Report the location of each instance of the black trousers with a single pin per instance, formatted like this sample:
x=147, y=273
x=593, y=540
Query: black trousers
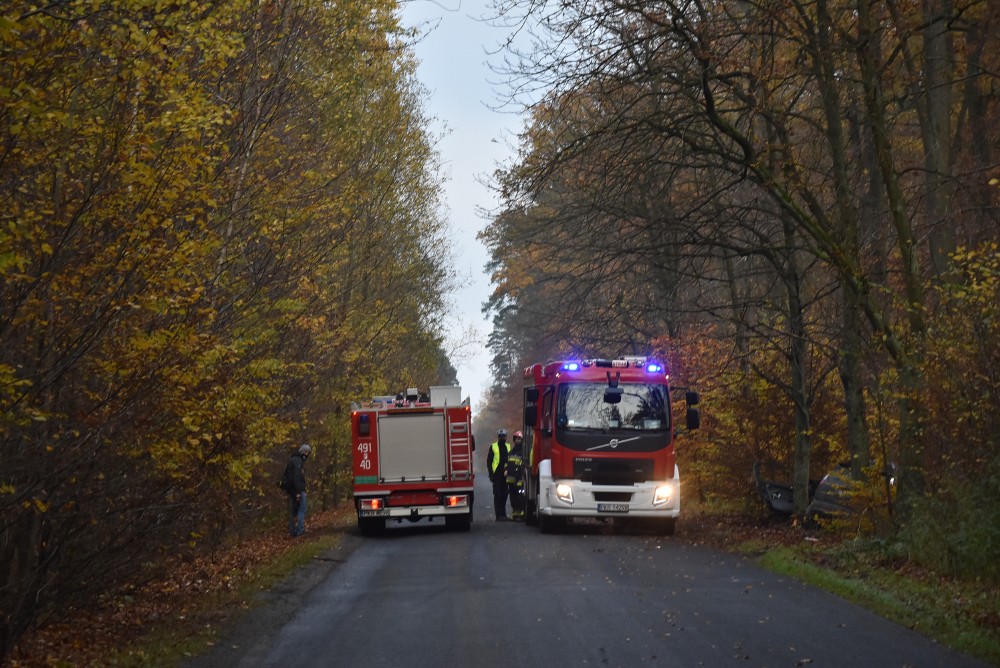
x=516, y=493
x=500, y=495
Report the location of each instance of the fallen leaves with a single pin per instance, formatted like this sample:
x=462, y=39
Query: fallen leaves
x=89, y=637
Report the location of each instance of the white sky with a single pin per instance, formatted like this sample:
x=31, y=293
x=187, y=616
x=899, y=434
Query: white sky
x=454, y=68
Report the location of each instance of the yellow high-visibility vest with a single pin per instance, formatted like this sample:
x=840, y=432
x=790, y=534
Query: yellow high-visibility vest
x=495, y=451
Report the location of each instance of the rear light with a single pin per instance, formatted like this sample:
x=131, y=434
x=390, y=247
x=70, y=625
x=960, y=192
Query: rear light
x=372, y=504
x=460, y=501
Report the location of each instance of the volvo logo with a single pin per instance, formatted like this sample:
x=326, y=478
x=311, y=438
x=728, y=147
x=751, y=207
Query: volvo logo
x=613, y=443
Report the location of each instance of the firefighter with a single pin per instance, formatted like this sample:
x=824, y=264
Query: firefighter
x=496, y=465
x=515, y=477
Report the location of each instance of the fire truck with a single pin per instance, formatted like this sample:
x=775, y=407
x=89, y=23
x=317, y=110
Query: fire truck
x=600, y=438
x=413, y=459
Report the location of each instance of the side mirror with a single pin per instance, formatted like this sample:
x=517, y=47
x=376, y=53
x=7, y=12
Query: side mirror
x=531, y=394
x=530, y=415
x=693, y=418
x=691, y=398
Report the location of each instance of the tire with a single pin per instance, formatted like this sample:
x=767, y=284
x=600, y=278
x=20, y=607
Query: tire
x=666, y=527
x=531, y=507
x=458, y=522
x=371, y=526
x=549, y=524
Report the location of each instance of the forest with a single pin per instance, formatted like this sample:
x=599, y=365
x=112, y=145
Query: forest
x=795, y=204
x=220, y=222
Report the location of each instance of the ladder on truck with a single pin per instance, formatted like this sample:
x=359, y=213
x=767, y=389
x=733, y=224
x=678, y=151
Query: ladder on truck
x=459, y=450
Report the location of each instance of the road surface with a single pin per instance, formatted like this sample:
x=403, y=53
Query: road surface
x=504, y=596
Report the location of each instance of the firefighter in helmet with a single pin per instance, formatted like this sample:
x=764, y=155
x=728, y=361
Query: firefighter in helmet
x=496, y=466
x=515, y=477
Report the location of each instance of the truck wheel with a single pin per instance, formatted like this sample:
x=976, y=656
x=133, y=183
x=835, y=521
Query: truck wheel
x=371, y=526
x=549, y=524
x=458, y=522
x=531, y=506
x=666, y=527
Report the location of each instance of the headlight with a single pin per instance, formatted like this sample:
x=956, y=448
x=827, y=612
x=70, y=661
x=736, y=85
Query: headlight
x=663, y=494
x=564, y=492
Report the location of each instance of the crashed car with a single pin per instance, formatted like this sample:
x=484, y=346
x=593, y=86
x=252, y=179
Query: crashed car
x=834, y=494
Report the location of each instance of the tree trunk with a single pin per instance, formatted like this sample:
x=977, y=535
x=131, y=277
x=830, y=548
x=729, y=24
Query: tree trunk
x=797, y=371
x=938, y=60
x=848, y=222
x=905, y=358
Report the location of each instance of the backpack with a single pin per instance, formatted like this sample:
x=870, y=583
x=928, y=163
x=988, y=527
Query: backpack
x=285, y=483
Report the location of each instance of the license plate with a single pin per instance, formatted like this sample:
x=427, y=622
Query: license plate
x=375, y=513
x=612, y=507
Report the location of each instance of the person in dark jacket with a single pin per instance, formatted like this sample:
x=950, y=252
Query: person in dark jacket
x=296, y=474
x=515, y=477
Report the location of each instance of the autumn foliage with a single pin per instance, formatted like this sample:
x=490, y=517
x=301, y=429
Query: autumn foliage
x=217, y=225
x=796, y=203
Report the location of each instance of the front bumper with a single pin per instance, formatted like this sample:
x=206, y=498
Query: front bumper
x=576, y=498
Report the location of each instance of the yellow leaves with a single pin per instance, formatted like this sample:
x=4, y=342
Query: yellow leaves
x=182, y=215
x=8, y=29
x=35, y=505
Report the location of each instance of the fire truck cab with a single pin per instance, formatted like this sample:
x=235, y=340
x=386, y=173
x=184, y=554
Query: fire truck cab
x=601, y=442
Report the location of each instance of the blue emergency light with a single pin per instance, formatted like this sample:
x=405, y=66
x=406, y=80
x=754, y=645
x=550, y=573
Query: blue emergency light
x=571, y=366
x=653, y=367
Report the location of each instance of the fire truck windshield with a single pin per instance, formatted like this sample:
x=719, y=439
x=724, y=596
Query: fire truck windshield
x=643, y=407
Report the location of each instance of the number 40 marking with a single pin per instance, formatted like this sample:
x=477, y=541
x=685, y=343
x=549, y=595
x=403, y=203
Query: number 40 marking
x=365, y=448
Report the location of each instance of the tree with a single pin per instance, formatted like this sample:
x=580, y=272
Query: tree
x=673, y=89
x=213, y=213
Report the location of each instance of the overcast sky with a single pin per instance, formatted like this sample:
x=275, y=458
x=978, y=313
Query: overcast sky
x=454, y=67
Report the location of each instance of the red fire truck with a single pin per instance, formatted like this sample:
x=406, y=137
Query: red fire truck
x=601, y=442
x=413, y=459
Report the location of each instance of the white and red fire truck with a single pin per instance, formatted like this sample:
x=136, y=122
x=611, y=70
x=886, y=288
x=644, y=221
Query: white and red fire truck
x=413, y=459
x=600, y=439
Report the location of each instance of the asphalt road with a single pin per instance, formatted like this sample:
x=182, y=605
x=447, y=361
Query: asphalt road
x=504, y=595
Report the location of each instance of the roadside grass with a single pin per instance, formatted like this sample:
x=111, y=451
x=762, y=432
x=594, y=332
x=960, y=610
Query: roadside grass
x=962, y=615
x=165, y=623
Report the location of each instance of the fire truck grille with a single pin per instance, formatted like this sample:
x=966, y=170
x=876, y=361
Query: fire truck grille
x=613, y=497
x=613, y=471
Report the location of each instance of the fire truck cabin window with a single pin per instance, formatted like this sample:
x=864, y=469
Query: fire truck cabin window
x=644, y=407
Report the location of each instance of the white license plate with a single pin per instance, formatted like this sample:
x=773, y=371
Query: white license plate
x=375, y=513
x=612, y=507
